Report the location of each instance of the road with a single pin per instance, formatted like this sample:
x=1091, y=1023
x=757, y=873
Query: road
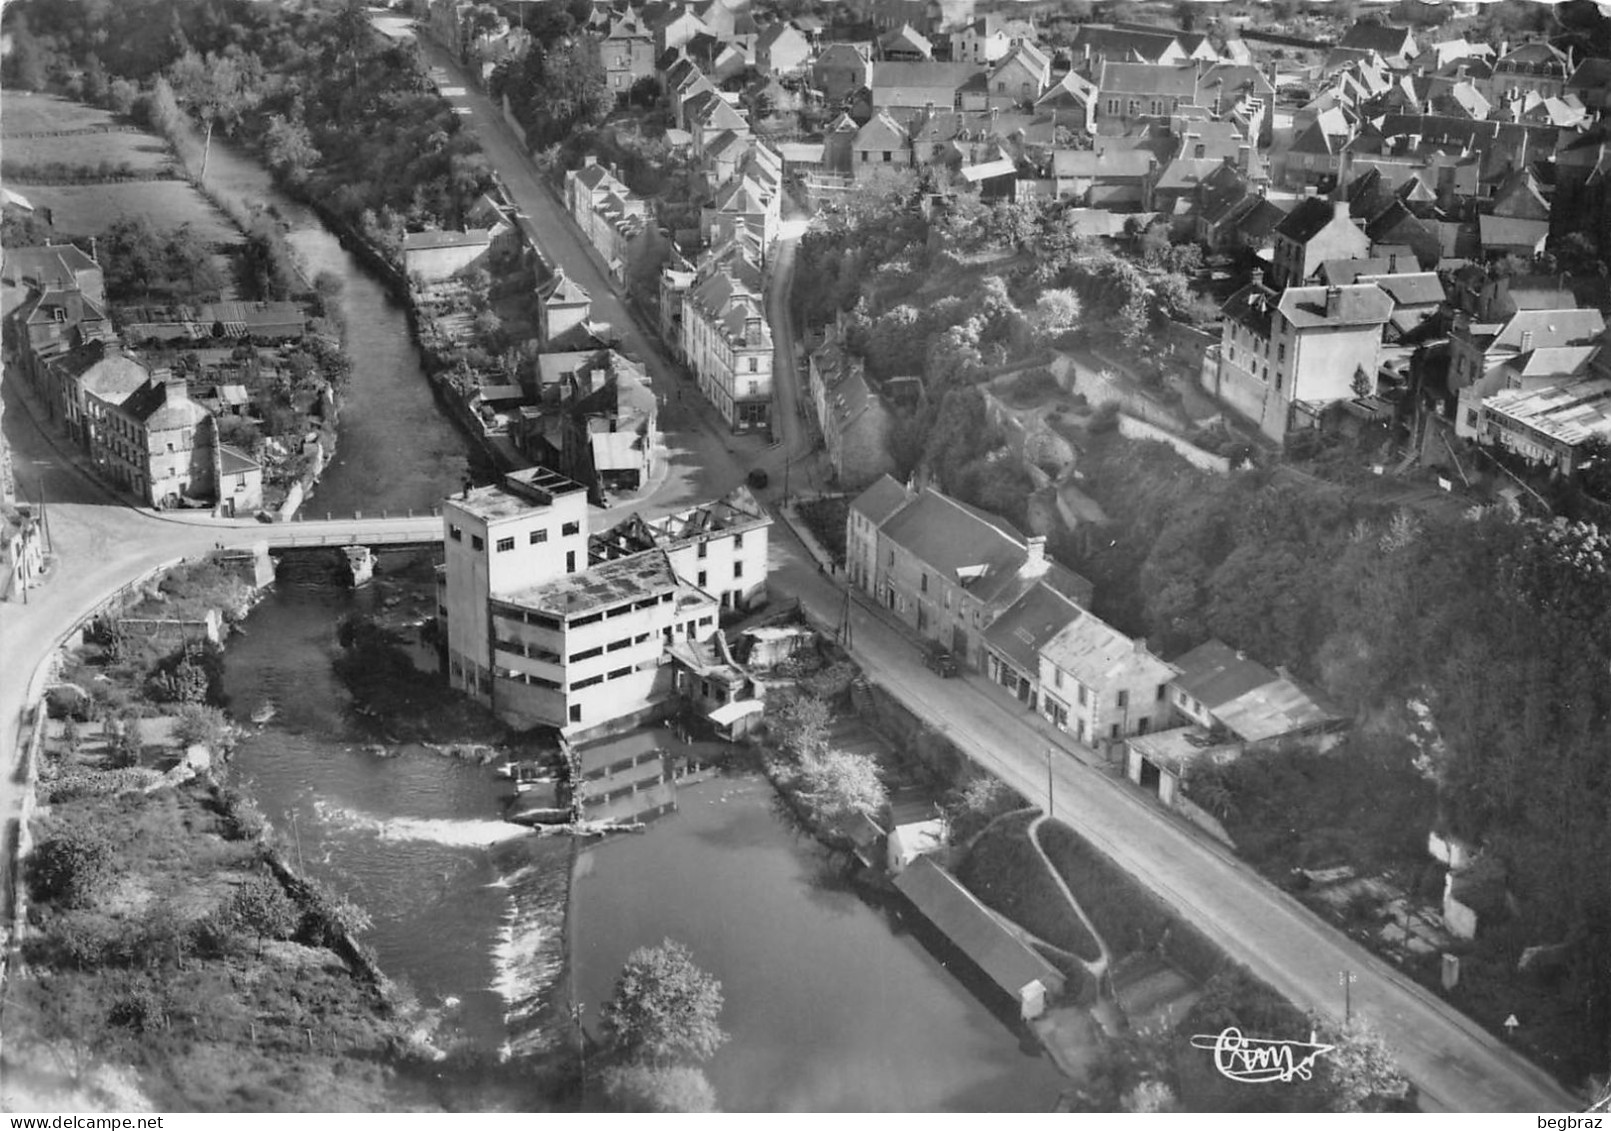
x=100, y=545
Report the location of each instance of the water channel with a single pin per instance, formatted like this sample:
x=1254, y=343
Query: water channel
x=831, y=1003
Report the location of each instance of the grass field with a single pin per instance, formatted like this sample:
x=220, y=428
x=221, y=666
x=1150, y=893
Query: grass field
x=88, y=209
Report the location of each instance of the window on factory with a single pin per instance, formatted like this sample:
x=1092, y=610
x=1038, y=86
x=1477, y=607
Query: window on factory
x=538, y=537
x=476, y=542
x=571, y=528
x=455, y=533
x=505, y=545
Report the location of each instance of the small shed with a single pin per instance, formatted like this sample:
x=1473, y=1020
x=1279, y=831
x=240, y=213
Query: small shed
x=735, y=720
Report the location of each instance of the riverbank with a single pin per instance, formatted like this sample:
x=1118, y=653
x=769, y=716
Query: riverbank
x=164, y=955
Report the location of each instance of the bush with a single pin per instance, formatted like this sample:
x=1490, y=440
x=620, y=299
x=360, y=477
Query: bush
x=73, y=868
x=200, y=725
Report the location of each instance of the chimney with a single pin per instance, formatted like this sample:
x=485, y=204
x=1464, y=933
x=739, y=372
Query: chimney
x=1333, y=301
x=752, y=329
x=94, y=254
x=1035, y=562
x=589, y=161
x=1244, y=157
x=1526, y=341
x=1392, y=263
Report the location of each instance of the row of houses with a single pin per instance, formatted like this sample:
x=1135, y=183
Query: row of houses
x=137, y=423
x=971, y=583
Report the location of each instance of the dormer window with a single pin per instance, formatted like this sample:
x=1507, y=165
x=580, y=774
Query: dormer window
x=57, y=314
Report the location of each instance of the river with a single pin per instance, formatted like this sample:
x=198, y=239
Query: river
x=831, y=1003
x=396, y=449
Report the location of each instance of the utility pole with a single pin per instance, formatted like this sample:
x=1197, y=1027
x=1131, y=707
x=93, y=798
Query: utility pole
x=1049, y=810
x=577, y=1009
x=44, y=516
x=1347, y=978
x=844, y=623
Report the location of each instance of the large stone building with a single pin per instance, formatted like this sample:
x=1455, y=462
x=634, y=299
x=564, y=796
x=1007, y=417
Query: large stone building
x=1294, y=353
x=726, y=340
x=548, y=629
x=946, y=569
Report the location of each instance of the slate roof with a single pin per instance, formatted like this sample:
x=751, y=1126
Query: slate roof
x=907, y=38
x=1149, y=80
x=1214, y=673
x=1371, y=36
x=1359, y=304
x=882, y=499
x=161, y=405
x=1097, y=654
x=1307, y=220
x=562, y=290
x=1274, y=709
x=888, y=73
x=1510, y=231
x=1029, y=622
x=46, y=266
x=233, y=461
x=1120, y=43
x=974, y=929
x=102, y=369
x=1411, y=288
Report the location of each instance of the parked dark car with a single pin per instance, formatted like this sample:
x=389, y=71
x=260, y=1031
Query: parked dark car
x=757, y=478
x=938, y=659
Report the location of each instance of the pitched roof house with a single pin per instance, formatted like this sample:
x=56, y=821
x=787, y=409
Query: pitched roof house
x=1099, y=684
x=1316, y=230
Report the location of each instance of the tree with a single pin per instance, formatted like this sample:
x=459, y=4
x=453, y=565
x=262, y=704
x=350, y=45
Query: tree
x=261, y=906
x=219, y=89
x=129, y=742
x=665, y=1008
x=837, y=785
x=1151, y=1097
x=200, y=725
x=1360, y=1073
x=73, y=867
x=289, y=148
x=647, y=1088
x=1056, y=311
x=72, y=736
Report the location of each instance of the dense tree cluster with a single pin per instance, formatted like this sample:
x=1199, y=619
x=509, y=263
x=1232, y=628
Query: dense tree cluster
x=661, y=1021
x=340, y=114
x=557, y=89
x=1500, y=628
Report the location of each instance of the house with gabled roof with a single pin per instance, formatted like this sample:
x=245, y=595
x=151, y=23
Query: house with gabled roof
x=157, y=442
x=1072, y=101
x=981, y=40
x=58, y=267
x=1096, y=44
x=1100, y=685
x=1550, y=426
x=905, y=43
x=79, y=383
x=916, y=86
x=841, y=69
x=1591, y=84
x=726, y=340
x=1131, y=92
x=854, y=417
x=1384, y=39
x=883, y=143
x=676, y=28
x=1013, y=642
x=781, y=49
x=627, y=53
x=1530, y=349
x=1538, y=67
x=1285, y=356
x=1020, y=77
x=949, y=570
x=562, y=303
x=1240, y=701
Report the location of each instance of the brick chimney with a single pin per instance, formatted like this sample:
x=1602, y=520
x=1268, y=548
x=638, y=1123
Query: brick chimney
x=1333, y=302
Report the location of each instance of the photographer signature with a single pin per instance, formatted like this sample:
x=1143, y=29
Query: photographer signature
x=1255, y=1060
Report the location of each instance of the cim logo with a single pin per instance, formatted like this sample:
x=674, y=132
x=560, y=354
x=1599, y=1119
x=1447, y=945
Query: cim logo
x=1254, y=1060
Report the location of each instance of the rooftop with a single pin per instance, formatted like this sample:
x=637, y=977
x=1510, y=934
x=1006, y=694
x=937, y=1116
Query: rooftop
x=1029, y=623
x=519, y=492
x=631, y=578
x=1095, y=652
x=1570, y=413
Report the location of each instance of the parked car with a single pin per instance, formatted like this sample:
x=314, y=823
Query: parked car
x=757, y=478
x=938, y=659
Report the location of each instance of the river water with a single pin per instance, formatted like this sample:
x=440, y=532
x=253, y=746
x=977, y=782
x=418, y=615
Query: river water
x=832, y=1003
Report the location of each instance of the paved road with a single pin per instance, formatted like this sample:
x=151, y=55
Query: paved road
x=698, y=449
x=1456, y=1065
